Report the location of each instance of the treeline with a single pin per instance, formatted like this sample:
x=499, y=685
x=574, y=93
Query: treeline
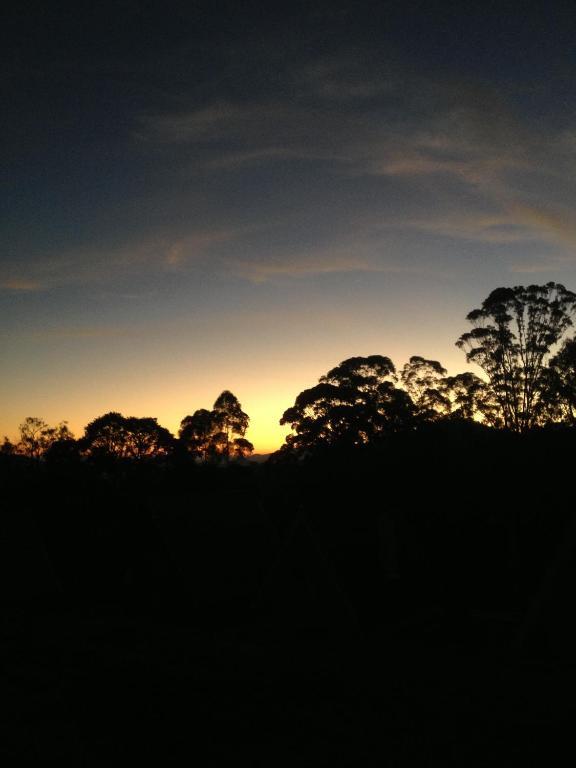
x=513, y=337
x=519, y=339
x=216, y=435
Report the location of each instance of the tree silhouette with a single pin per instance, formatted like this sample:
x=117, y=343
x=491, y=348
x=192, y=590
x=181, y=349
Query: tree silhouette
x=353, y=404
x=126, y=437
x=514, y=331
x=561, y=393
x=7, y=448
x=242, y=448
x=36, y=436
x=230, y=421
x=66, y=450
x=423, y=380
x=196, y=433
x=106, y=435
x=147, y=438
x=468, y=397
x=218, y=433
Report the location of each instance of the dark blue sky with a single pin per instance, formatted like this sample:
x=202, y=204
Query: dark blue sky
x=202, y=196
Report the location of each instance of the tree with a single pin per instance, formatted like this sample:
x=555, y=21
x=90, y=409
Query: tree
x=124, y=437
x=365, y=374
x=423, y=380
x=242, y=448
x=146, y=438
x=36, y=436
x=513, y=334
x=7, y=448
x=106, y=436
x=468, y=397
x=561, y=393
x=31, y=440
x=353, y=404
x=196, y=433
x=439, y=396
x=230, y=421
x=65, y=451
x=219, y=432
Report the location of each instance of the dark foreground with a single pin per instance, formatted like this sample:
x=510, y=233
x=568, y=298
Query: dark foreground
x=328, y=616
x=110, y=688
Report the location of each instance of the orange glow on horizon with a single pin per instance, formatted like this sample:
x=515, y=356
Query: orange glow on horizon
x=264, y=401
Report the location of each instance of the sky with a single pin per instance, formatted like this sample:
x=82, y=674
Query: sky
x=232, y=195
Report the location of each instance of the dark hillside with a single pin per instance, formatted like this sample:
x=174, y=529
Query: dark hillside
x=383, y=604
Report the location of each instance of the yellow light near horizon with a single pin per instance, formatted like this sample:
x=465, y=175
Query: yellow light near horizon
x=171, y=393
x=265, y=431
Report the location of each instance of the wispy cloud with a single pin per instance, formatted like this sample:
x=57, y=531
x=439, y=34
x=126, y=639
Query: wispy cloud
x=415, y=126
x=200, y=245
x=261, y=271
x=23, y=285
x=462, y=156
x=401, y=127
x=323, y=260
x=542, y=267
x=558, y=223
x=497, y=228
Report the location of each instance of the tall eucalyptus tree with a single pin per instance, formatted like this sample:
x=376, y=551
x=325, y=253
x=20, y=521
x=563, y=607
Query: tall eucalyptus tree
x=514, y=332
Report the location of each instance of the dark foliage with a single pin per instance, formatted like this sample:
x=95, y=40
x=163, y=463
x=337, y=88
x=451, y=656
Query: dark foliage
x=217, y=434
x=514, y=333
x=120, y=437
x=354, y=404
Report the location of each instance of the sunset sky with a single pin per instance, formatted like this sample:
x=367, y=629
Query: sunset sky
x=208, y=196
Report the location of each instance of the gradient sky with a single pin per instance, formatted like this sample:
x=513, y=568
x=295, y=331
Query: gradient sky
x=208, y=196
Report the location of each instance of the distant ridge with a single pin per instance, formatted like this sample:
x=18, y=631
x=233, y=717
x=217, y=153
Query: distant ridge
x=260, y=458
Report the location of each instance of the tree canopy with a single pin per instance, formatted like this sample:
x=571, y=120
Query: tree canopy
x=118, y=436
x=219, y=433
x=467, y=396
x=196, y=432
x=423, y=380
x=353, y=404
x=561, y=392
x=36, y=436
x=514, y=332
